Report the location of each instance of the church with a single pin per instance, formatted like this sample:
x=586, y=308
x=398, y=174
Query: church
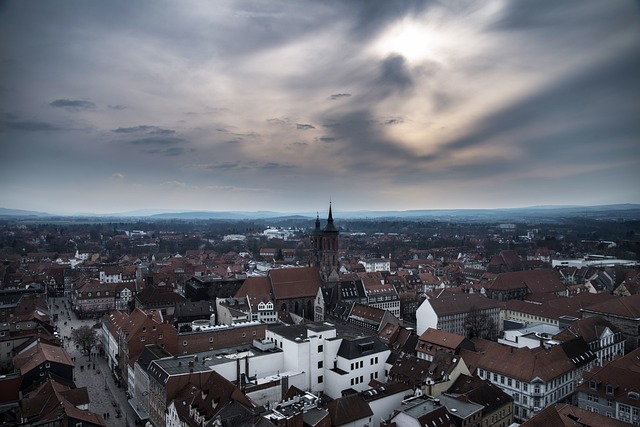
x=324, y=248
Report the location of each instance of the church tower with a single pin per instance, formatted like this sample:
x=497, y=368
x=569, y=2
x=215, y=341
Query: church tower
x=324, y=251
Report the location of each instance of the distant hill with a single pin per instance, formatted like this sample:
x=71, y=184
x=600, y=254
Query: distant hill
x=20, y=213
x=534, y=213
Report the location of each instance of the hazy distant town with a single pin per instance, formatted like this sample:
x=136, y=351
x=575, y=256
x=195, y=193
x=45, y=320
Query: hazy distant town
x=328, y=321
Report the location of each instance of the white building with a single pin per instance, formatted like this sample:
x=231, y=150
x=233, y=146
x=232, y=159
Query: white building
x=332, y=364
x=376, y=264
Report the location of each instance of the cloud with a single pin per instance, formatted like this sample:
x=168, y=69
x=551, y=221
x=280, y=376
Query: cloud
x=337, y=96
x=117, y=176
x=174, y=151
x=29, y=125
x=394, y=73
x=151, y=130
x=118, y=107
x=304, y=126
x=156, y=140
x=327, y=139
x=392, y=121
x=73, y=105
x=249, y=165
x=276, y=121
x=173, y=184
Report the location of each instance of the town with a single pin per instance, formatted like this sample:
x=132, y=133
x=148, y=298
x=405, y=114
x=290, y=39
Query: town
x=319, y=322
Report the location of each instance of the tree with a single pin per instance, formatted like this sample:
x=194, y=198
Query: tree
x=85, y=337
x=480, y=325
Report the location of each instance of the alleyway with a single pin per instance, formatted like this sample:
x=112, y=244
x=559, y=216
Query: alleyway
x=107, y=399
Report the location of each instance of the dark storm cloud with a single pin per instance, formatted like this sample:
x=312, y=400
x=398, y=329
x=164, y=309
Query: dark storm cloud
x=392, y=121
x=372, y=16
x=73, y=105
x=248, y=165
x=156, y=140
x=174, y=151
x=595, y=105
x=11, y=121
x=327, y=139
x=360, y=138
x=395, y=73
x=337, y=96
x=304, y=126
x=151, y=130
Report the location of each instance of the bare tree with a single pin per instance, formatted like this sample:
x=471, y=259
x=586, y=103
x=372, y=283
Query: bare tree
x=85, y=337
x=480, y=325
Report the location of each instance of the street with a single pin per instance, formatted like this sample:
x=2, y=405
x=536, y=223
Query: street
x=91, y=371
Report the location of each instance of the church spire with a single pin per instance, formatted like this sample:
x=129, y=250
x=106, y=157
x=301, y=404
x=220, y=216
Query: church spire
x=330, y=226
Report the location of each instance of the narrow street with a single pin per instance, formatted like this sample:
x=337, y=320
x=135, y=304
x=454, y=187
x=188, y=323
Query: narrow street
x=91, y=371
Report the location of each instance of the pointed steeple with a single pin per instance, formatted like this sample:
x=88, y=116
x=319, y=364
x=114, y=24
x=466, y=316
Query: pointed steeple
x=330, y=226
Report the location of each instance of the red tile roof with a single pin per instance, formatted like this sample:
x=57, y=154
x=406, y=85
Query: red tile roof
x=288, y=283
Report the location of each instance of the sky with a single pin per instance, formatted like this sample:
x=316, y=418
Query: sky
x=286, y=105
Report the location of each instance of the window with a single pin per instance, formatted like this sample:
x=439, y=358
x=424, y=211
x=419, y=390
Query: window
x=47, y=365
x=210, y=339
x=141, y=337
x=244, y=335
x=509, y=382
x=525, y=387
x=320, y=379
x=184, y=343
x=609, y=389
x=320, y=364
x=320, y=348
x=592, y=398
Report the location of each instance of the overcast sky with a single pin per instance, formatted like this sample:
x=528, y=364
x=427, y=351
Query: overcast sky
x=285, y=105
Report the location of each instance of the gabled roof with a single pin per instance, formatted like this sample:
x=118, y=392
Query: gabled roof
x=348, y=409
x=39, y=354
x=208, y=395
x=624, y=306
x=254, y=286
x=589, y=328
x=565, y=415
x=441, y=339
x=536, y=281
x=451, y=303
x=288, y=283
x=523, y=364
x=51, y=399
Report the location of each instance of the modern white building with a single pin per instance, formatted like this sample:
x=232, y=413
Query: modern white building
x=332, y=364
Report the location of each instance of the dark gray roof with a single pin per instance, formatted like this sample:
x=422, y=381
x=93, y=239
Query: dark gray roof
x=353, y=349
x=578, y=351
x=150, y=353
